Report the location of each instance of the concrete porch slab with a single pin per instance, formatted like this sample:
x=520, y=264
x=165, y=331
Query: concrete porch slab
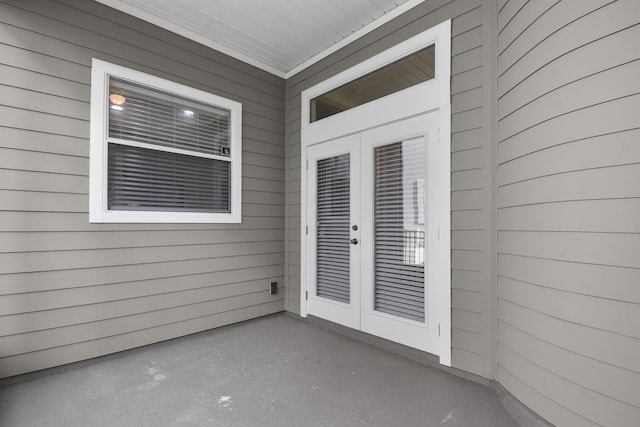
x=271, y=371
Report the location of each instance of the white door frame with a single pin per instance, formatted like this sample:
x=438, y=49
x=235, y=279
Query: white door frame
x=431, y=96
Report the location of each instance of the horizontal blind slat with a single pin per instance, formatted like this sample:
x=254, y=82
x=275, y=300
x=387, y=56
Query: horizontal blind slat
x=143, y=179
x=399, y=235
x=159, y=118
x=333, y=220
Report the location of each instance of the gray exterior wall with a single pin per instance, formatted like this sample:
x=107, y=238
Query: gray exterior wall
x=472, y=194
x=569, y=209
x=70, y=290
x=545, y=196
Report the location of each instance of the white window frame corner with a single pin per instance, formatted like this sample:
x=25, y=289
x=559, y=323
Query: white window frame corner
x=98, y=169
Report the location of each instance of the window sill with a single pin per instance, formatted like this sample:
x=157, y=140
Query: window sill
x=164, y=217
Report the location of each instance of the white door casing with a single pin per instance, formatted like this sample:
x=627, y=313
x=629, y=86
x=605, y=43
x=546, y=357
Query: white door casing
x=421, y=109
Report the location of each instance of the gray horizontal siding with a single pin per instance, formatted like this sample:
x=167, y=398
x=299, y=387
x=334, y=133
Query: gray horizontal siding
x=71, y=290
x=125, y=340
x=470, y=195
x=569, y=209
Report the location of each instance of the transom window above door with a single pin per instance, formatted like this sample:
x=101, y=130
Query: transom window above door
x=411, y=70
x=409, y=78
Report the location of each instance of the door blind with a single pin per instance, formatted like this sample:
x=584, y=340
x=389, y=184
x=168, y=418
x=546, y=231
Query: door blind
x=333, y=220
x=399, y=229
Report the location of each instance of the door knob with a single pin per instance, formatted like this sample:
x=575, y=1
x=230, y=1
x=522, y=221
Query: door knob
x=354, y=241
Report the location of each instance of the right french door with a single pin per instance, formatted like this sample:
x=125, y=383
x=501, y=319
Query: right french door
x=373, y=236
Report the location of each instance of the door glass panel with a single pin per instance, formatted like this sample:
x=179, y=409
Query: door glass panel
x=333, y=220
x=399, y=229
x=406, y=72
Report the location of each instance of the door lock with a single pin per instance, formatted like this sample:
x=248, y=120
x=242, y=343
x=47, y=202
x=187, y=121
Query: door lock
x=354, y=241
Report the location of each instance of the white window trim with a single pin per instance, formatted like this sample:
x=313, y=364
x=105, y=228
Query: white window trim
x=98, y=208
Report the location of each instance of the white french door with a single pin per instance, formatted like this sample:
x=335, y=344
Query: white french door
x=333, y=206
x=372, y=238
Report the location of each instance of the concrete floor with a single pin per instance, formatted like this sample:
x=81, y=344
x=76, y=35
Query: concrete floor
x=273, y=371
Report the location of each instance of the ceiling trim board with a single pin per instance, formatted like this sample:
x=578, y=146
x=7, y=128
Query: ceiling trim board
x=388, y=16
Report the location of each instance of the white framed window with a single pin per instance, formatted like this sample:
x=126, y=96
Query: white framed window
x=162, y=151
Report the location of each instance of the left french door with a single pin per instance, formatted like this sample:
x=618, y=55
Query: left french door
x=333, y=279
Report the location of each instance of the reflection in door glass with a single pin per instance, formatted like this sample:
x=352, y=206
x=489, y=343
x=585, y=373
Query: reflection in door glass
x=333, y=216
x=399, y=221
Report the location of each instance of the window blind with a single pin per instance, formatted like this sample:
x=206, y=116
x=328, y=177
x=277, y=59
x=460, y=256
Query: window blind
x=142, y=179
x=166, y=153
x=333, y=221
x=162, y=119
x=399, y=229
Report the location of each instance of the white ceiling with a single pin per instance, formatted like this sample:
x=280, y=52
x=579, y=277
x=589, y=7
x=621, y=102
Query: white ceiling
x=279, y=36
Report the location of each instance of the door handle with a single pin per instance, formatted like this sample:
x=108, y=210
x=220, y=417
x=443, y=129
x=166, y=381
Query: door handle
x=354, y=241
